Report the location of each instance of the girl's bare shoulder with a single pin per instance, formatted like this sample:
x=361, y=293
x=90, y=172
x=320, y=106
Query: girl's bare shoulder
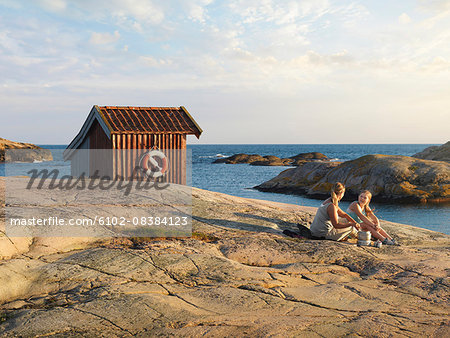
x=353, y=205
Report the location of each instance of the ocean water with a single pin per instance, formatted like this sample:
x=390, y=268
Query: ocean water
x=238, y=179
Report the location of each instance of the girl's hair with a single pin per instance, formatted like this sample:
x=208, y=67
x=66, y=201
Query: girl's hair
x=338, y=187
x=366, y=207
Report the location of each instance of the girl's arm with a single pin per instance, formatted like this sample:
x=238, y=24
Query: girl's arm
x=332, y=211
x=357, y=209
x=374, y=219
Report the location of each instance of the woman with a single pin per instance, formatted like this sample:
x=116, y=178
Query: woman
x=326, y=223
x=367, y=220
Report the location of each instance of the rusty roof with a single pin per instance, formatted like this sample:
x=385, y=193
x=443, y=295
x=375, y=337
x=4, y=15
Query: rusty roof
x=136, y=120
x=149, y=120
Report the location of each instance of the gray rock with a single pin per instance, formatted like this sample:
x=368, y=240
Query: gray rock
x=435, y=153
x=298, y=180
x=271, y=160
x=240, y=158
x=22, y=152
x=389, y=178
x=310, y=156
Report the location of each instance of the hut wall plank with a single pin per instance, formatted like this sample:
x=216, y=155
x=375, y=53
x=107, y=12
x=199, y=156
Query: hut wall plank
x=79, y=163
x=99, y=161
x=183, y=159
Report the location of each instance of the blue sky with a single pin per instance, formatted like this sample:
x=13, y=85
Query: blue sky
x=313, y=71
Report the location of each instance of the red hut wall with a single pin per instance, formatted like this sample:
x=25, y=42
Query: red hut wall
x=173, y=144
x=99, y=160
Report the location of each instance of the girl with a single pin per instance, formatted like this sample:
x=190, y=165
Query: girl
x=326, y=223
x=361, y=211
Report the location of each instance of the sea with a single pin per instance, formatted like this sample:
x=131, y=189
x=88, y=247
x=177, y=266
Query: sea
x=239, y=179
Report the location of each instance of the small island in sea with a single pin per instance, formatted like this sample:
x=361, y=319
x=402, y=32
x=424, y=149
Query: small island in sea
x=11, y=151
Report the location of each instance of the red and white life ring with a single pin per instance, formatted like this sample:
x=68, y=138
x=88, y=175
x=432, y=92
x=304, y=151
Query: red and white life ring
x=154, y=163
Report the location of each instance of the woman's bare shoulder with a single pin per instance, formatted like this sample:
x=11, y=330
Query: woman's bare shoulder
x=328, y=200
x=332, y=207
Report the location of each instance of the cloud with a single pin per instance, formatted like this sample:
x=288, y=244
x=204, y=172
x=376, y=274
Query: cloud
x=438, y=65
x=312, y=58
x=155, y=63
x=24, y=61
x=104, y=38
x=139, y=10
x=8, y=43
x=11, y=4
x=278, y=12
x=196, y=9
x=53, y=5
x=145, y=12
x=404, y=19
x=435, y=5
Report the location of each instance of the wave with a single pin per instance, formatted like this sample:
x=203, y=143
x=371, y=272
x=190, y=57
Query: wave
x=213, y=156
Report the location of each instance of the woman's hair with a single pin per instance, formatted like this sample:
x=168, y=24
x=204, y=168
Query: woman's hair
x=338, y=187
x=366, y=207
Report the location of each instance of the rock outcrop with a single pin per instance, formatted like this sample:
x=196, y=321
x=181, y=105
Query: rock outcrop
x=435, y=153
x=310, y=156
x=240, y=158
x=271, y=160
x=389, y=178
x=236, y=276
x=32, y=153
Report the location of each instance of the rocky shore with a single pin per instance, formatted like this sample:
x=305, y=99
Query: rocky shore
x=237, y=276
x=389, y=178
x=27, y=152
x=435, y=153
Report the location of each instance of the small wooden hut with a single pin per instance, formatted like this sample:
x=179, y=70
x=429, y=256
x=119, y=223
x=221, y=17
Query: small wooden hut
x=127, y=132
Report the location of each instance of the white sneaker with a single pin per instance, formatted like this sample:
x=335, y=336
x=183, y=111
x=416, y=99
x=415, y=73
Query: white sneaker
x=389, y=242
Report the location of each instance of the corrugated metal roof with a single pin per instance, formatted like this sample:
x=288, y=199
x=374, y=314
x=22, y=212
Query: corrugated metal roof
x=136, y=120
x=149, y=120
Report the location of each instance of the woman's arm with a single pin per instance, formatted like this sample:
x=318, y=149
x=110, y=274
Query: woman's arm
x=343, y=214
x=332, y=211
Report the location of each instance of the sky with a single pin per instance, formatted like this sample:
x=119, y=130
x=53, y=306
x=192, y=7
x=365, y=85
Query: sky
x=248, y=71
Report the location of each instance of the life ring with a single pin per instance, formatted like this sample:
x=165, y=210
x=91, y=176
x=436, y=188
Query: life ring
x=154, y=163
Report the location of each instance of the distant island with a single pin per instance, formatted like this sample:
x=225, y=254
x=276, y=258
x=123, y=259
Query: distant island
x=33, y=153
x=271, y=160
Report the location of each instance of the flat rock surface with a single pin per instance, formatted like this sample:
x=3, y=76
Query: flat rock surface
x=237, y=276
